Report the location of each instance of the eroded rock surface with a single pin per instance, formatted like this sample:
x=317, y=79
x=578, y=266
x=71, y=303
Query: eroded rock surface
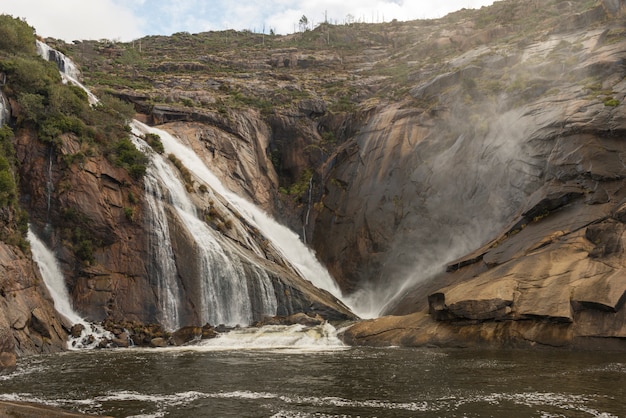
x=554, y=274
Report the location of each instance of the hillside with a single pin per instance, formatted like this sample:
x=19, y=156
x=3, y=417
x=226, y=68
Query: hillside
x=463, y=174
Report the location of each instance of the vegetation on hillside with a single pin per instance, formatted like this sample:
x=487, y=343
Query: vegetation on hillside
x=349, y=67
x=43, y=104
x=53, y=108
x=345, y=65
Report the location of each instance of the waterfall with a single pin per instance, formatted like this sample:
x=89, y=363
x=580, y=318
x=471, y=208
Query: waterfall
x=285, y=240
x=161, y=265
x=225, y=296
x=67, y=68
x=91, y=334
x=4, y=110
x=233, y=287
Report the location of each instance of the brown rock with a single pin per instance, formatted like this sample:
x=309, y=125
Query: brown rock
x=186, y=335
x=77, y=330
x=31, y=410
x=158, y=342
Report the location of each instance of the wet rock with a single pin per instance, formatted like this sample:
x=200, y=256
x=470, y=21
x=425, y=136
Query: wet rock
x=208, y=332
x=186, y=335
x=39, y=322
x=158, y=342
x=221, y=328
x=31, y=410
x=297, y=318
x=77, y=330
x=120, y=342
x=7, y=349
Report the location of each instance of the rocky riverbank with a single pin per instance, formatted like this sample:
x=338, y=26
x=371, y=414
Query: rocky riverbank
x=30, y=410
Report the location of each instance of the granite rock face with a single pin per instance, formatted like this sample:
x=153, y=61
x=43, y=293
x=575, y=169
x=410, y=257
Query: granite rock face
x=553, y=271
x=28, y=321
x=97, y=203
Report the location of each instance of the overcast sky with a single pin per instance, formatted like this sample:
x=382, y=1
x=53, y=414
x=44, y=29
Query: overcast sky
x=126, y=20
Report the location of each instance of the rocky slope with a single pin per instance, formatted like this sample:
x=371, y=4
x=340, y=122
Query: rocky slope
x=71, y=171
x=496, y=129
x=553, y=275
x=29, y=323
x=463, y=174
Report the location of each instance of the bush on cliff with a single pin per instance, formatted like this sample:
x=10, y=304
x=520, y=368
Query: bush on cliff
x=53, y=109
x=16, y=35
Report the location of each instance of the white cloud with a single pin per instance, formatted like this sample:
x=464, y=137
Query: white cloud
x=77, y=19
x=129, y=19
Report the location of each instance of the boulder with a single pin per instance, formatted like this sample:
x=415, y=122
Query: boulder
x=158, y=342
x=77, y=330
x=299, y=318
x=186, y=335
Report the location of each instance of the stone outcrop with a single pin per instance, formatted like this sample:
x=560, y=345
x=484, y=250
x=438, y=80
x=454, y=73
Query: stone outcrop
x=31, y=410
x=101, y=248
x=553, y=273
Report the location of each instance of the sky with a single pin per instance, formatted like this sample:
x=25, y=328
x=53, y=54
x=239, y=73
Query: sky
x=125, y=20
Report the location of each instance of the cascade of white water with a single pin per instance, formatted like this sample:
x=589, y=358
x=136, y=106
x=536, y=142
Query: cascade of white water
x=292, y=248
x=225, y=296
x=67, y=68
x=4, y=110
x=91, y=334
x=162, y=267
x=276, y=337
x=225, y=290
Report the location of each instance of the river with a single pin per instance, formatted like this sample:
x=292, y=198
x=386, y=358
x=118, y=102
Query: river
x=332, y=382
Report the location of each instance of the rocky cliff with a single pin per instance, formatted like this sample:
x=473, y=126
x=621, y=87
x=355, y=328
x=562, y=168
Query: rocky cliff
x=70, y=170
x=551, y=156
x=402, y=147
x=462, y=174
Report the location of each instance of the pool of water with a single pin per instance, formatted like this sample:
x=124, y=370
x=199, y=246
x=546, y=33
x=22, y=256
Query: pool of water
x=333, y=382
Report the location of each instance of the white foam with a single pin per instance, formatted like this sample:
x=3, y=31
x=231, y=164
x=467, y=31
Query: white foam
x=292, y=338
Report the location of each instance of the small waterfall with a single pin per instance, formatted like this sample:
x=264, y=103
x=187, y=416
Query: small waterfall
x=275, y=337
x=4, y=110
x=91, y=334
x=67, y=68
x=308, y=210
x=49, y=186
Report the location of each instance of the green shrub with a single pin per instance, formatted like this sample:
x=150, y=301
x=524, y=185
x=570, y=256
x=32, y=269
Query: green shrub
x=129, y=213
x=301, y=186
x=610, y=101
x=130, y=158
x=155, y=143
x=16, y=35
x=84, y=251
x=8, y=189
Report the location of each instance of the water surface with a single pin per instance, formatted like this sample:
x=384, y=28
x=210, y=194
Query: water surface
x=349, y=382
